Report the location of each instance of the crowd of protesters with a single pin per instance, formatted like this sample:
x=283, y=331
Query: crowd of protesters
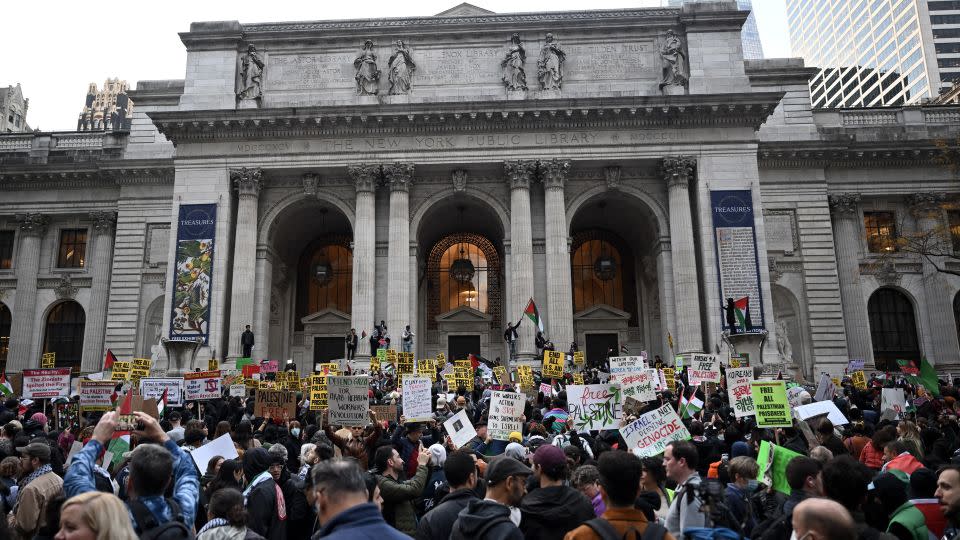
x=879, y=476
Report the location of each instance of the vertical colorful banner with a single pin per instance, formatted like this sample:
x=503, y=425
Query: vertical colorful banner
x=193, y=272
x=738, y=263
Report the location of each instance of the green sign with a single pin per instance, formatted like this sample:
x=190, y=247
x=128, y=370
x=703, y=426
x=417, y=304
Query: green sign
x=773, y=462
x=679, y=360
x=771, y=404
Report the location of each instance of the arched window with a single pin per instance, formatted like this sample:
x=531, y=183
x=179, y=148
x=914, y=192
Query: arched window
x=893, y=329
x=64, y=333
x=597, y=274
x=325, y=277
x=5, y=322
x=463, y=277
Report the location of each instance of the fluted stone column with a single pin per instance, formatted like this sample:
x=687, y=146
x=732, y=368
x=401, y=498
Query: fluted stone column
x=559, y=290
x=248, y=183
x=678, y=171
x=520, y=174
x=365, y=178
x=398, y=176
x=927, y=209
x=32, y=227
x=846, y=235
x=100, y=267
x=263, y=293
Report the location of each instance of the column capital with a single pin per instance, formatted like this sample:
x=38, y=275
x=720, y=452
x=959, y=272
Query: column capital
x=927, y=204
x=678, y=170
x=844, y=204
x=247, y=181
x=398, y=175
x=554, y=173
x=520, y=173
x=365, y=176
x=33, y=224
x=103, y=222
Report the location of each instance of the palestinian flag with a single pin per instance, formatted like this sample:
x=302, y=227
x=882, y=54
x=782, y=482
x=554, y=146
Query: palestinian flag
x=5, y=387
x=162, y=403
x=109, y=360
x=691, y=406
x=121, y=439
x=927, y=378
x=740, y=308
x=534, y=314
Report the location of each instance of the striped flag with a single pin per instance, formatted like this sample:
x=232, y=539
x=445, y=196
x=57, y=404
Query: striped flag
x=534, y=314
x=162, y=404
x=121, y=439
x=690, y=406
x=109, y=360
x=5, y=387
x=740, y=308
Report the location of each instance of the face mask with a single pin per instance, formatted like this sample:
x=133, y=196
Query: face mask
x=295, y=432
x=752, y=485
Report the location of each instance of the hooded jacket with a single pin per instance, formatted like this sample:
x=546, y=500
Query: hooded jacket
x=551, y=512
x=437, y=523
x=485, y=519
x=362, y=522
x=264, y=501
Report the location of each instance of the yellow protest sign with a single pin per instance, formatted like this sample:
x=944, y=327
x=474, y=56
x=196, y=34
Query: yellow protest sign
x=465, y=364
x=500, y=372
x=578, y=378
x=553, y=364
x=213, y=364
x=669, y=376
x=374, y=363
x=734, y=362
x=859, y=379
x=121, y=369
x=578, y=358
x=391, y=356
x=426, y=367
x=836, y=382
x=441, y=359
x=48, y=360
x=525, y=375
x=140, y=368
x=405, y=363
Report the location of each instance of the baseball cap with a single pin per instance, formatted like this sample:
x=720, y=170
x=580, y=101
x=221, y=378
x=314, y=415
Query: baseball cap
x=36, y=449
x=502, y=467
x=549, y=457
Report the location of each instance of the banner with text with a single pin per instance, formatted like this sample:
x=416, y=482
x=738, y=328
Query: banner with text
x=347, y=400
x=770, y=404
x=640, y=386
x=735, y=239
x=649, y=435
x=595, y=406
x=96, y=395
x=153, y=387
x=193, y=272
x=506, y=408
x=46, y=383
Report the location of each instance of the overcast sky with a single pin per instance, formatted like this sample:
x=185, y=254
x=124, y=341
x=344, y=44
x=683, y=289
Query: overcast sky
x=55, y=48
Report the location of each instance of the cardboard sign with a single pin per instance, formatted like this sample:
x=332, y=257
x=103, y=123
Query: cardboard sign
x=650, y=434
x=459, y=428
x=738, y=390
x=153, y=387
x=546, y=389
x=893, y=399
x=48, y=360
x=275, y=403
x=416, y=399
x=221, y=446
x=859, y=380
x=595, y=406
x=525, y=376
x=578, y=358
x=238, y=390
x=822, y=407
x=96, y=395
x=553, y=364
x=201, y=385
x=385, y=412
x=506, y=408
x=348, y=401
x=405, y=363
x=703, y=368
x=427, y=367
x=500, y=372
x=669, y=376
x=825, y=389
x=46, y=383
x=640, y=385
x=770, y=404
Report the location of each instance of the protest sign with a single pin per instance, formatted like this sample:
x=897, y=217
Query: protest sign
x=121, y=370
x=773, y=461
x=238, y=390
x=669, y=378
x=405, y=363
x=620, y=365
x=859, y=380
x=771, y=372
x=825, y=389
x=427, y=368
x=48, y=360
x=546, y=389
x=506, y=408
x=381, y=355
x=794, y=397
x=347, y=400
x=275, y=403
x=703, y=368
x=140, y=368
x=894, y=400
x=374, y=364
x=595, y=406
x=153, y=387
x=213, y=364
x=96, y=395
x=770, y=404
x=578, y=358
x=46, y=383
x=416, y=399
x=855, y=365
x=269, y=366
x=738, y=390
x=385, y=412
x=200, y=385
x=221, y=446
x=459, y=428
x=678, y=360
x=525, y=376
x=649, y=435
x=578, y=378
x=818, y=408
x=553, y=364
x=639, y=385
x=500, y=372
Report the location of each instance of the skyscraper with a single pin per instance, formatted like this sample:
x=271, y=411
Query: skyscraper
x=876, y=52
x=752, y=48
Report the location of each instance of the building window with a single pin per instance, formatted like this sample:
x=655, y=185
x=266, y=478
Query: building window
x=6, y=250
x=463, y=277
x=325, y=277
x=73, y=248
x=881, y=231
x=597, y=271
x=64, y=334
x=5, y=322
x=893, y=329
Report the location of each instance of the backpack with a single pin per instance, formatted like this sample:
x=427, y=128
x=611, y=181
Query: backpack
x=606, y=531
x=775, y=528
x=175, y=529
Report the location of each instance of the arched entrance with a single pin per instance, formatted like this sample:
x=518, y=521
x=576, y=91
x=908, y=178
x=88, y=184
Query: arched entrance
x=6, y=320
x=893, y=329
x=63, y=334
x=615, y=264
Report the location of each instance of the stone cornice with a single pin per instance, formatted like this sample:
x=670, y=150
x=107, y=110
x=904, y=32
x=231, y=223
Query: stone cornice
x=116, y=173
x=820, y=155
x=726, y=110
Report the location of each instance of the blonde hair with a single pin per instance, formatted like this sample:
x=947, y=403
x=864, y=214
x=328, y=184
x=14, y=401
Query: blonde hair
x=105, y=514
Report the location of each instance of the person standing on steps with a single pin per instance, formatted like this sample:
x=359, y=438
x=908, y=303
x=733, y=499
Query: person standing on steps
x=246, y=341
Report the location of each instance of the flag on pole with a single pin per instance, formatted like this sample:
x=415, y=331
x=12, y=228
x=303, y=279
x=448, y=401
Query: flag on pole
x=162, y=405
x=691, y=406
x=120, y=442
x=927, y=378
x=740, y=310
x=5, y=387
x=109, y=360
x=534, y=314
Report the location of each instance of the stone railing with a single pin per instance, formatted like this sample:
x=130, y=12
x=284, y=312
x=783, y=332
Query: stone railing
x=16, y=142
x=942, y=116
x=869, y=118
x=79, y=140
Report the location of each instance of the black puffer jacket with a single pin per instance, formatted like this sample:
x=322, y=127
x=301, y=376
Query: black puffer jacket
x=437, y=523
x=485, y=520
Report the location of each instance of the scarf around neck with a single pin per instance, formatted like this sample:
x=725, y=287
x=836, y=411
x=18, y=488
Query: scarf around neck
x=42, y=470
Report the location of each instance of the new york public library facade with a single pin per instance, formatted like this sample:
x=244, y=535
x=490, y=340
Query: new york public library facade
x=626, y=169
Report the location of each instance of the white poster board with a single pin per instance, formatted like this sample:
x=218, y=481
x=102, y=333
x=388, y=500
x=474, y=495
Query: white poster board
x=201, y=385
x=506, y=408
x=46, y=383
x=221, y=446
x=348, y=401
x=96, y=395
x=826, y=389
x=649, y=435
x=820, y=407
x=640, y=386
x=595, y=406
x=703, y=368
x=459, y=428
x=416, y=399
x=738, y=390
x=620, y=365
x=153, y=387
x=893, y=399
x=238, y=390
